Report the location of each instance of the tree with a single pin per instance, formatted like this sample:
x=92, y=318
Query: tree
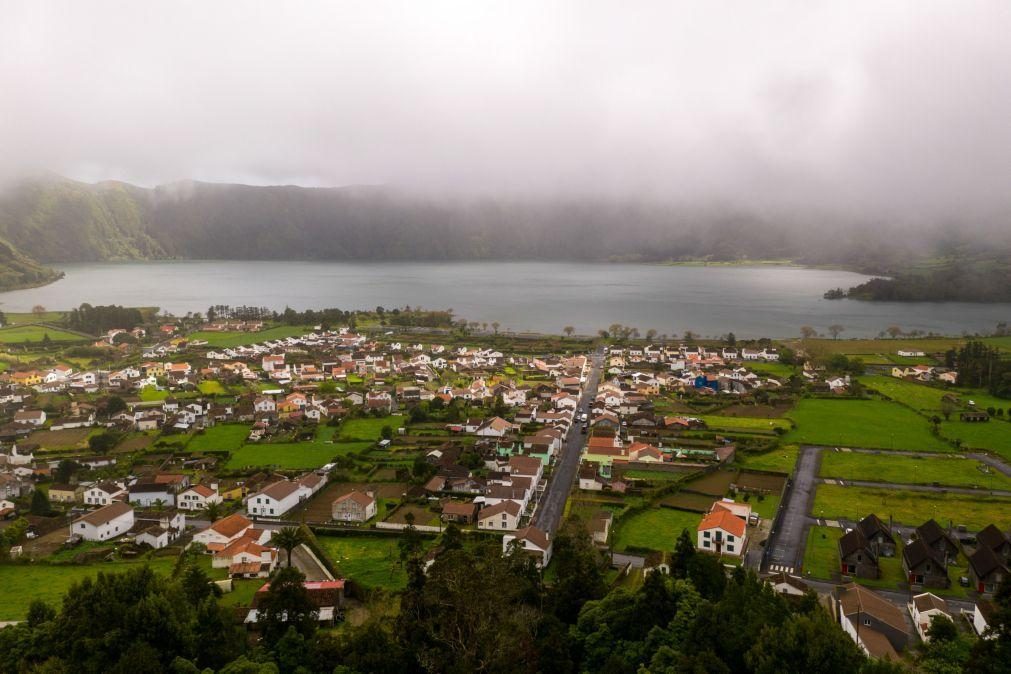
x=38, y=310
x=213, y=512
x=196, y=585
x=731, y=340
x=495, y=325
x=286, y=604
x=288, y=538
x=684, y=550
x=651, y=334
x=893, y=331
x=947, y=408
x=103, y=442
x=580, y=570
x=806, y=643
x=40, y=504
x=991, y=655
x=568, y=330
x=115, y=405
x=386, y=432
x=835, y=330
x=807, y=332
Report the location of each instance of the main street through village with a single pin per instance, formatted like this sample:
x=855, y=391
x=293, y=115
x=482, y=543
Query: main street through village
x=549, y=511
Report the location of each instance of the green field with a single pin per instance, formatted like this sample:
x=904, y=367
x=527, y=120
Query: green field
x=21, y=583
x=371, y=561
x=150, y=394
x=222, y=340
x=877, y=424
x=223, y=437
x=950, y=471
x=242, y=592
x=27, y=317
x=926, y=398
x=211, y=387
x=293, y=455
x=717, y=422
x=34, y=333
x=911, y=508
x=654, y=529
x=882, y=346
x=821, y=556
x=781, y=459
x=993, y=435
x=368, y=428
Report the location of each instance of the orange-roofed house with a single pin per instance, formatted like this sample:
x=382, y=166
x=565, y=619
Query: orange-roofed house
x=724, y=530
x=223, y=532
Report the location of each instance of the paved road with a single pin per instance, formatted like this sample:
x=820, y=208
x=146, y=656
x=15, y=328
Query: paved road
x=306, y=562
x=917, y=487
x=786, y=541
x=991, y=461
x=549, y=511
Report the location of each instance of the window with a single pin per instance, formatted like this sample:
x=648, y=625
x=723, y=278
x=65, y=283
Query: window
x=705, y=534
x=730, y=538
x=730, y=548
x=867, y=622
x=705, y=544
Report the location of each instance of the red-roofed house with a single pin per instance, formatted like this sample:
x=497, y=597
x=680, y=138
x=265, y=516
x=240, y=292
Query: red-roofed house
x=723, y=530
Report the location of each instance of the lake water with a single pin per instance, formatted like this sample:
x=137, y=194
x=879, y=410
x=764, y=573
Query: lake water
x=772, y=301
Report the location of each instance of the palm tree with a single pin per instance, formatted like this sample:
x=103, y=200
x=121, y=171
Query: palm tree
x=288, y=538
x=213, y=511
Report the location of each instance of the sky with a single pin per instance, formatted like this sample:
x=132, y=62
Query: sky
x=879, y=107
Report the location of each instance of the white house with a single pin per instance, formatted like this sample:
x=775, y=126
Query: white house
x=982, y=613
x=723, y=531
x=923, y=609
x=354, y=507
x=280, y=497
x=503, y=516
x=33, y=417
x=156, y=536
x=198, y=497
x=495, y=427
x=150, y=494
x=532, y=541
x=103, y=493
x=223, y=532
x=105, y=523
x=246, y=557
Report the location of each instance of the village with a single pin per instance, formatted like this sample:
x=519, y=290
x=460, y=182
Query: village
x=256, y=446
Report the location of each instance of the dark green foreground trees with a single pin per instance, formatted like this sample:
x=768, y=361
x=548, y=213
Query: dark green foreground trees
x=475, y=610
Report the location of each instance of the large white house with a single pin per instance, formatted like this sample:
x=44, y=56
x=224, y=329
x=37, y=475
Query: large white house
x=503, y=516
x=152, y=493
x=532, y=541
x=105, y=523
x=280, y=497
x=224, y=531
x=103, y=493
x=198, y=497
x=723, y=531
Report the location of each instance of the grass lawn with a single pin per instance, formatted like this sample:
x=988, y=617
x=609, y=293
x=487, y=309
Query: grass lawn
x=150, y=393
x=22, y=583
x=994, y=435
x=879, y=424
x=211, y=387
x=223, y=437
x=778, y=370
x=743, y=423
x=292, y=455
x=372, y=561
x=883, y=346
x=926, y=398
x=653, y=475
x=242, y=592
x=654, y=529
x=951, y=471
x=764, y=507
x=28, y=317
x=781, y=459
x=34, y=333
x=911, y=508
x=368, y=428
x=223, y=340
x=62, y=439
x=821, y=555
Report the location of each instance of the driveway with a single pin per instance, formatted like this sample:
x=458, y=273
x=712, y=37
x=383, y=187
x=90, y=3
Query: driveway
x=549, y=511
x=786, y=541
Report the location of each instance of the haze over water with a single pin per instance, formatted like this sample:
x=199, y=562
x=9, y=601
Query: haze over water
x=767, y=301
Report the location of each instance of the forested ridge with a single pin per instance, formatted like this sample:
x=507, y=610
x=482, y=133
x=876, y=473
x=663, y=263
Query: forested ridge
x=50, y=219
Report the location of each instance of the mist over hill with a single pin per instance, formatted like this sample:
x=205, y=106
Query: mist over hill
x=54, y=220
